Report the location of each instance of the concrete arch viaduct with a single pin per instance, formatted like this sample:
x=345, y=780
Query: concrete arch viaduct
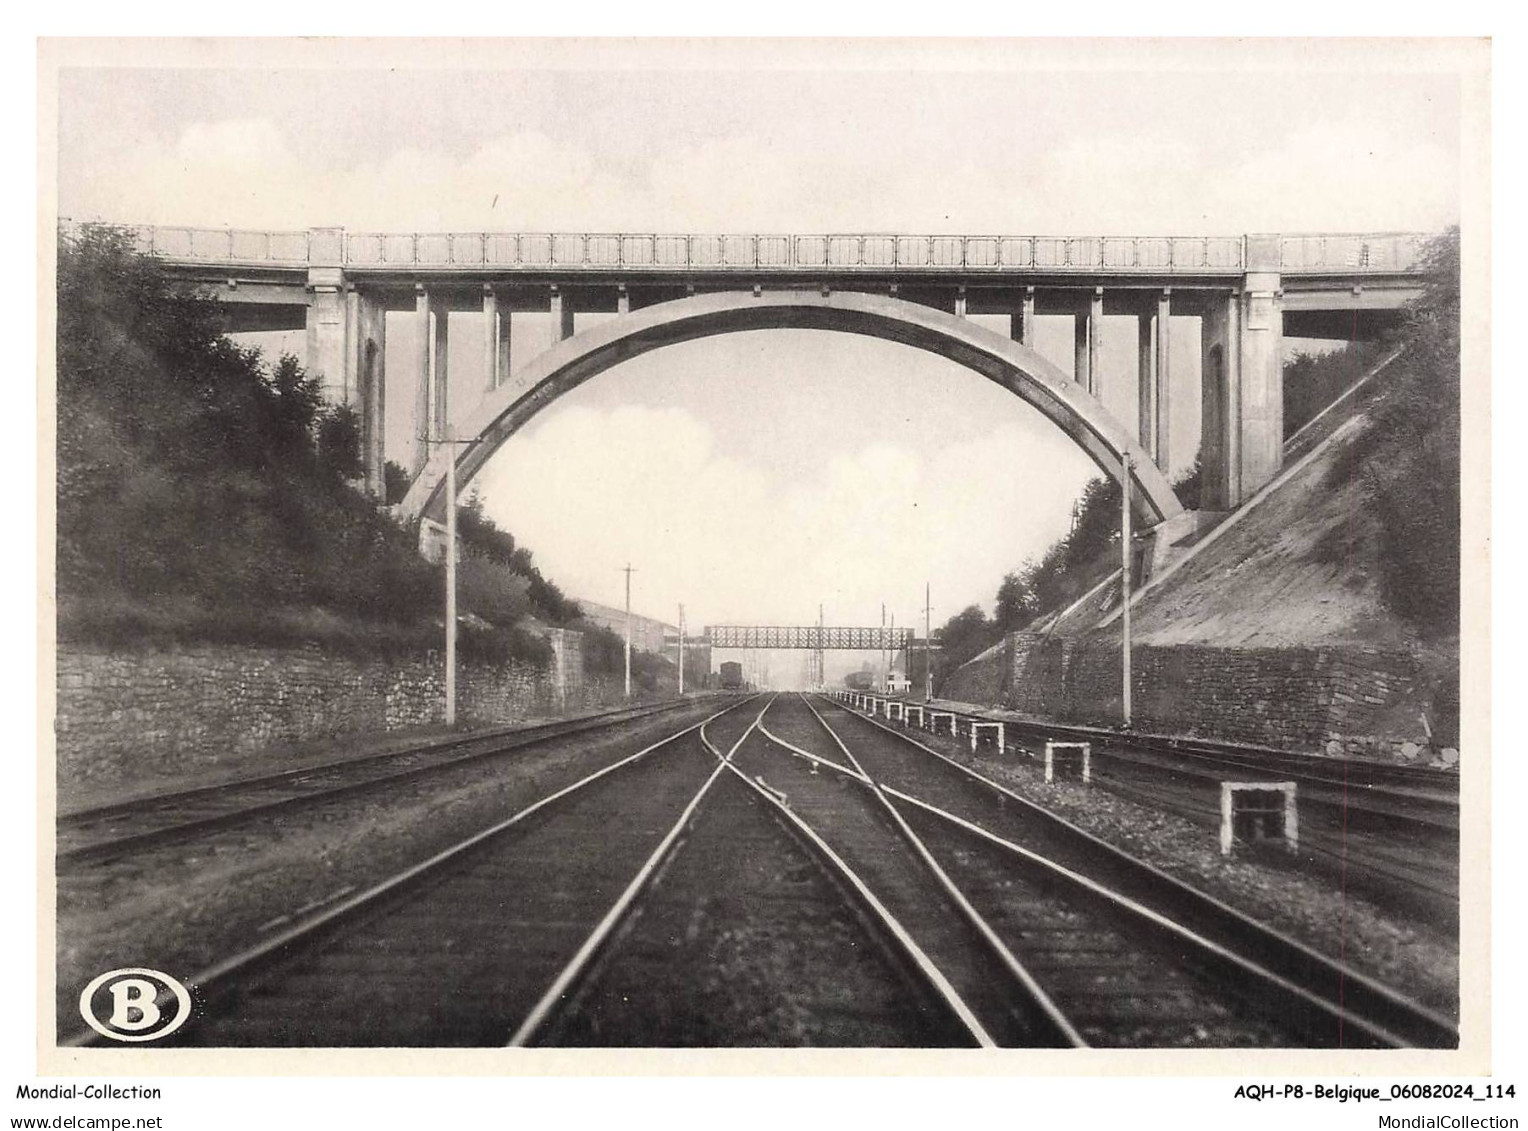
x=920, y=290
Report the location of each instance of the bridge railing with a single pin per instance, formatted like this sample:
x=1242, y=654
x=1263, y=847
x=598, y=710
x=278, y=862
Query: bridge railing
x=1383, y=251
x=651, y=252
x=762, y=252
x=217, y=245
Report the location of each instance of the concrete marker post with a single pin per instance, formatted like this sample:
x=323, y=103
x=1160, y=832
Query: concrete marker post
x=1231, y=792
x=1053, y=748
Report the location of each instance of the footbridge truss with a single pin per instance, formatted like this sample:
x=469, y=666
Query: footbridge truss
x=813, y=637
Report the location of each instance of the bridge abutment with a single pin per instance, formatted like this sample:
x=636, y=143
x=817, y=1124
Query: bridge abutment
x=1262, y=366
x=325, y=324
x=1242, y=391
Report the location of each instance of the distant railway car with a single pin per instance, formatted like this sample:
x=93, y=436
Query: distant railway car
x=731, y=678
x=859, y=681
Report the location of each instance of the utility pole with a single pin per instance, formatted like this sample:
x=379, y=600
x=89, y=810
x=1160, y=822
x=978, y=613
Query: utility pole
x=928, y=646
x=891, y=653
x=628, y=572
x=1124, y=588
x=822, y=677
x=450, y=577
x=681, y=649
x=883, y=645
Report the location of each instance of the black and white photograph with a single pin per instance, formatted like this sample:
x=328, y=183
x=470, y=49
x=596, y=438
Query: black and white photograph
x=905, y=546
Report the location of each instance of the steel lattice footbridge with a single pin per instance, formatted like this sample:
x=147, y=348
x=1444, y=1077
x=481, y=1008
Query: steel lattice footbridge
x=814, y=637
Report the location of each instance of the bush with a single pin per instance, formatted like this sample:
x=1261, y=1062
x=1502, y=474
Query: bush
x=202, y=494
x=1312, y=381
x=481, y=535
x=1406, y=463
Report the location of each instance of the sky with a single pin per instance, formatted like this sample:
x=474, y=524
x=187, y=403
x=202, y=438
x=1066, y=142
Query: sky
x=757, y=475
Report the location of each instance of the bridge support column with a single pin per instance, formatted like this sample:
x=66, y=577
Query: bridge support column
x=1162, y=448
x=1021, y=326
x=422, y=414
x=1262, y=366
x=1146, y=384
x=1095, y=339
x=562, y=316
x=366, y=365
x=1080, y=337
x=1220, y=414
x=496, y=341
x=441, y=377
x=1154, y=379
x=326, y=333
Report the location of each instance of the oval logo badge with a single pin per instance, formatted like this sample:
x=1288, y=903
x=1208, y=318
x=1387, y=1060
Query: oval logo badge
x=135, y=1004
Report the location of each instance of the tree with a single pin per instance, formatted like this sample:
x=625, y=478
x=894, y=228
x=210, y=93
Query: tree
x=396, y=482
x=962, y=637
x=1017, y=602
x=480, y=534
x=339, y=442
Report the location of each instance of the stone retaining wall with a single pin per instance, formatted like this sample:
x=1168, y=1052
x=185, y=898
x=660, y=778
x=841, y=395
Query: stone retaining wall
x=132, y=715
x=1336, y=700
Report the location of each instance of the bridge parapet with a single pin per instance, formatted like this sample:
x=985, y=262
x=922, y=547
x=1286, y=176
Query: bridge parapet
x=599, y=253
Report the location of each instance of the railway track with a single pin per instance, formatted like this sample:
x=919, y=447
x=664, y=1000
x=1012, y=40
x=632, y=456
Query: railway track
x=722, y=952
x=1418, y=874
x=456, y=949
x=1102, y=983
x=101, y=833
x=895, y=897
x=487, y=942
x=1396, y=844
x=1323, y=1001
x=1398, y=794
x=1373, y=805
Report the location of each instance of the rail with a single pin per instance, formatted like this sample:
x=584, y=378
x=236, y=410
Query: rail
x=644, y=252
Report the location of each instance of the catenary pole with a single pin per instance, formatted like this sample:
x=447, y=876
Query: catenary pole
x=681, y=649
x=450, y=578
x=883, y=645
x=1124, y=590
x=628, y=630
x=928, y=645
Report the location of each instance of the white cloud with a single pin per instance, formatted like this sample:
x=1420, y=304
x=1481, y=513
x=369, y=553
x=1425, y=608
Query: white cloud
x=589, y=489
x=1333, y=175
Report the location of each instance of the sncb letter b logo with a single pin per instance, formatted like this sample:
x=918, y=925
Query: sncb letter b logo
x=135, y=1004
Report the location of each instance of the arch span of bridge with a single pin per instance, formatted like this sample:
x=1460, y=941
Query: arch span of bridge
x=1244, y=292
x=590, y=352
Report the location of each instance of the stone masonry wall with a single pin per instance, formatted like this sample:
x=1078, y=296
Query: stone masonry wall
x=1336, y=700
x=125, y=715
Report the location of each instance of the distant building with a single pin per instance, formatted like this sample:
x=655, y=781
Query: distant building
x=647, y=634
